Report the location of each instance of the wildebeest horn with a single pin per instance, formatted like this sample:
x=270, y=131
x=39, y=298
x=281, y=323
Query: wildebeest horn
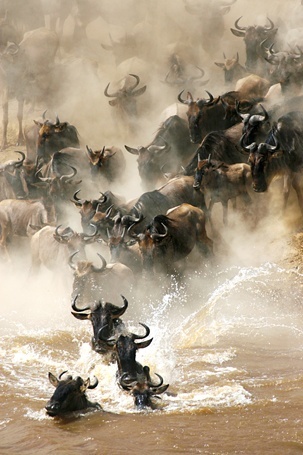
x=181, y=100
x=271, y=25
x=258, y=117
x=109, y=341
x=43, y=115
x=57, y=120
x=272, y=148
x=75, y=197
x=103, y=266
x=61, y=374
x=89, y=150
x=94, y=385
x=118, y=312
x=137, y=82
x=78, y=310
x=66, y=235
x=19, y=163
x=113, y=95
x=237, y=25
x=70, y=260
x=108, y=211
x=140, y=337
x=157, y=235
x=68, y=177
x=126, y=382
x=249, y=148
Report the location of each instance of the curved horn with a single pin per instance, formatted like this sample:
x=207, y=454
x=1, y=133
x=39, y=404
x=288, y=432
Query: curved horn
x=157, y=235
x=43, y=115
x=118, y=312
x=113, y=95
x=66, y=235
x=258, y=117
x=271, y=25
x=75, y=197
x=19, y=163
x=67, y=177
x=57, y=120
x=70, y=260
x=249, y=148
x=61, y=374
x=137, y=82
x=108, y=341
x=156, y=385
x=94, y=385
x=140, y=337
x=108, y=211
x=237, y=25
x=181, y=100
x=103, y=266
x=78, y=310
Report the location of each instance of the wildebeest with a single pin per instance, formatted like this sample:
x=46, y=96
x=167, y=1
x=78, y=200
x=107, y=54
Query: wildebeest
x=170, y=148
x=205, y=116
x=70, y=396
x=176, y=191
x=170, y=238
x=52, y=137
x=233, y=70
x=102, y=315
x=253, y=36
x=143, y=389
x=51, y=248
x=23, y=71
x=108, y=163
x=280, y=155
x=122, y=249
x=106, y=282
x=211, y=16
x=126, y=349
x=252, y=87
x=124, y=100
x=12, y=180
x=17, y=216
x=222, y=182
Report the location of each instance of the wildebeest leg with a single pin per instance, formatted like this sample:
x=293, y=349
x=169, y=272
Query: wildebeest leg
x=5, y=229
x=20, y=140
x=225, y=212
x=297, y=187
x=286, y=190
x=4, y=121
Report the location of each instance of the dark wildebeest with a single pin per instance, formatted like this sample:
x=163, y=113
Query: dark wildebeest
x=176, y=191
x=70, y=396
x=24, y=69
x=50, y=137
x=170, y=148
x=143, y=389
x=126, y=349
x=89, y=207
x=170, y=238
x=205, y=116
x=102, y=315
x=280, y=155
x=108, y=281
x=12, y=180
x=123, y=250
x=52, y=248
x=222, y=182
x=253, y=36
x=17, y=217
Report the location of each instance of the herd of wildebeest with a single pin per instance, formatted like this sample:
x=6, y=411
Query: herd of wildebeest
x=214, y=149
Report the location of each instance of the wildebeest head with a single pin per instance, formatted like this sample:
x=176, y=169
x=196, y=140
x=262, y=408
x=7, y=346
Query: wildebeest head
x=202, y=167
x=196, y=112
x=232, y=68
x=88, y=208
x=13, y=172
x=253, y=35
x=101, y=315
x=260, y=156
x=143, y=390
x=52, y=137
x=125, y=97
x=69, y=395
x=255, y=126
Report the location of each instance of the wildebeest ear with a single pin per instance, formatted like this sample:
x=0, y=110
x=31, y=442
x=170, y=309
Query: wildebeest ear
x=131, y=242
x=220, y=65
x=52, y=379
x=239, y=33
x=113, y=102
x=38, y=123
x=81, y=316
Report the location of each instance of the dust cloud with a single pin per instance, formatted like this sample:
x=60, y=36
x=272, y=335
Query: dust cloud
x=139, y=37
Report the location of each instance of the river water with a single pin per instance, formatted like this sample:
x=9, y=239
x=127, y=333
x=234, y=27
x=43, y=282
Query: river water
x=227, y=337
